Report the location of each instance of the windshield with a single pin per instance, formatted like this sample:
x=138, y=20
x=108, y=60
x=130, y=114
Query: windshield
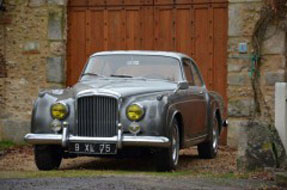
x=133, y=66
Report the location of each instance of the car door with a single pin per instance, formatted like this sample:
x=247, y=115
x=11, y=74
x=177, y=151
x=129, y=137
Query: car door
x=193, y=108
x=201, y=92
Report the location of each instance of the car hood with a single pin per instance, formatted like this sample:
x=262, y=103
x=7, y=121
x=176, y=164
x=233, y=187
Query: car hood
x=123, y=87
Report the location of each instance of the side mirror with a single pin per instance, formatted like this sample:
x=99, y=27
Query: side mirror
x=182, y=85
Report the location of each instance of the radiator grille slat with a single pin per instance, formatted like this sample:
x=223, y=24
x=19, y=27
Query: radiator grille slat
x=97, y=116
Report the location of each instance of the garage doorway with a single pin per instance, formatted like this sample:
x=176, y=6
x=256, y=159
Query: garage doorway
x=197, y=28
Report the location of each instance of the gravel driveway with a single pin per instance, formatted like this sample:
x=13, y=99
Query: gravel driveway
x=99, y=173
x=132, y=183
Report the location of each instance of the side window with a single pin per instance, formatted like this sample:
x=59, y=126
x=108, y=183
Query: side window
x=188, y=72
x=196, y=77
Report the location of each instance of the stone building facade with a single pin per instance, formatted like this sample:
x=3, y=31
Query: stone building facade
x=33, y=36
x=243, y=15
x=33, y=42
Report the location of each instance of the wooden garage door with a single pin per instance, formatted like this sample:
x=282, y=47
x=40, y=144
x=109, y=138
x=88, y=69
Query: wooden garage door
x=197, y=28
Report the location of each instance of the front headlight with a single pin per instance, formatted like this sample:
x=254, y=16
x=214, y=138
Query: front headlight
x=59, y=111
x=135, y=112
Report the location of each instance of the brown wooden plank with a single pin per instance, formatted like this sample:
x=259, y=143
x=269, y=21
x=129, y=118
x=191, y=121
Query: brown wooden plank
x=115, y=30
x=78, y=3
x=76, y=44
x=220, y=58
x=164, y=28
x=96, y=31
x=96, y=3
x=183, y=29
x=133, y=28
x=201, y=43
x=210, y=47
x=147, y=28
x=163, y=2
x=114, y=2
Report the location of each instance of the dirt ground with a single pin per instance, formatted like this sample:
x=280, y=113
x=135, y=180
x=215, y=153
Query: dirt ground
x=22, y=159
x=218, y=173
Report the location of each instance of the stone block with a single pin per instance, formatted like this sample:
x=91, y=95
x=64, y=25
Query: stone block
x=240, y=107
x=57, y=2
x=273, y=62
x=55, y=26
x=55, y=70
x=276, y=41
x=236, y=67
x=235, y=20
x=272, y=77
x=57, y=48
x=281, y=179
x=36, y=3
x=15, y=130
x=259, y=146
x=234, y=131
x=242, y=17
x=239, y=79
x=31, y=47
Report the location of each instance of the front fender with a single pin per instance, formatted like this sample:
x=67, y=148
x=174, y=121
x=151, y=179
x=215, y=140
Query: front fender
x=41, y=116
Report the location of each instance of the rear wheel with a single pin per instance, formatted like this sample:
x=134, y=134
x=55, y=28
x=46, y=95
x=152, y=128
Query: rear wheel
x=167, y=158
x=209, y=149
x=48, y=157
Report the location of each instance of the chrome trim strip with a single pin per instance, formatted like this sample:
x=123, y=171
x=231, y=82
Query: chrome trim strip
x=65, y=134
x=99, y=92
x=197, y=138
x=150, y=141
x=120, y=136
x=43, y=138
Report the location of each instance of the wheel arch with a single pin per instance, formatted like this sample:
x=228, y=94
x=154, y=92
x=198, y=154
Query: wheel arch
x=178, y=117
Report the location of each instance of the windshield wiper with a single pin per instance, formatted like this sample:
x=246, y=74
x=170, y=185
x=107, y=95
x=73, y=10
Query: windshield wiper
x=121, y=76
x=92, y=74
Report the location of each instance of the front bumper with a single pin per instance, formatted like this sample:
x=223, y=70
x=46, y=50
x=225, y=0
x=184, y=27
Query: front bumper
x=120, y=140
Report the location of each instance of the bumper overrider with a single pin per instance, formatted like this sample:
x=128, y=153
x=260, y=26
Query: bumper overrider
x=121, y=140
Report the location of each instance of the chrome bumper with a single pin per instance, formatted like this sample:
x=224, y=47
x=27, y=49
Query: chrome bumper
x=121, y=140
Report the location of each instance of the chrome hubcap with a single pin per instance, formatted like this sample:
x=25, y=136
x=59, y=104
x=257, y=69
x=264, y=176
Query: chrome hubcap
x=215, y=135
x=175, y=145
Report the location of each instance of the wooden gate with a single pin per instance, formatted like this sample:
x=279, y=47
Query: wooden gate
x=197, y=28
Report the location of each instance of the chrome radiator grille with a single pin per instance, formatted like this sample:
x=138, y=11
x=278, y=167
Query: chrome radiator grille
x=97, y=116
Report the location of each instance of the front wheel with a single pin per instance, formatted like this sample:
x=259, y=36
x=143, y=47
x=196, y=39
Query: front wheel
x=209, y=149
x=167, y=158
x=48, y=157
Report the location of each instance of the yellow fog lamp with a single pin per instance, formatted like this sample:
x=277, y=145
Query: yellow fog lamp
x=135, y=112
x=59, y=111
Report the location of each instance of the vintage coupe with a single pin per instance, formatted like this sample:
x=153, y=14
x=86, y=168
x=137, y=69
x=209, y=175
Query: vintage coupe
x=143, y=99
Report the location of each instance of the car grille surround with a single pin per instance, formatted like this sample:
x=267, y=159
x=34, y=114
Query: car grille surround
x=97, y=116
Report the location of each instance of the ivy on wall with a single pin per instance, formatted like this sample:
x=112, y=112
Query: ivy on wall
x=273, y=12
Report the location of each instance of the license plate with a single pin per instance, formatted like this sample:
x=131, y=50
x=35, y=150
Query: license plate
x=93, y=148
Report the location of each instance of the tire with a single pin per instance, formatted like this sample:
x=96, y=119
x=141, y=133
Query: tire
x=48, y=157
x=209, y=149
x=167, y=158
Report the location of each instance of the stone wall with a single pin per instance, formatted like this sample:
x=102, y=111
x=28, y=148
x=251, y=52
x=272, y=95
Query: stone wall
x=34, y=46
x=243, y=15
x=33, y=41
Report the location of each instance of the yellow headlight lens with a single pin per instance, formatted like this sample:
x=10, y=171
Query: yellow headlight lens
x=59, y=111
x=135, y=112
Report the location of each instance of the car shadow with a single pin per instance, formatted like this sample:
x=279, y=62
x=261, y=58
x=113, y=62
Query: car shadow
x=142, y=163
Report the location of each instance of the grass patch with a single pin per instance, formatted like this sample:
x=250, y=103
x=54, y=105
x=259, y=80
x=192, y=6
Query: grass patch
x=6, y=144
x=94, y=173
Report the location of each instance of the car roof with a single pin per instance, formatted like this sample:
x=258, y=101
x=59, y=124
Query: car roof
x=142, y=52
